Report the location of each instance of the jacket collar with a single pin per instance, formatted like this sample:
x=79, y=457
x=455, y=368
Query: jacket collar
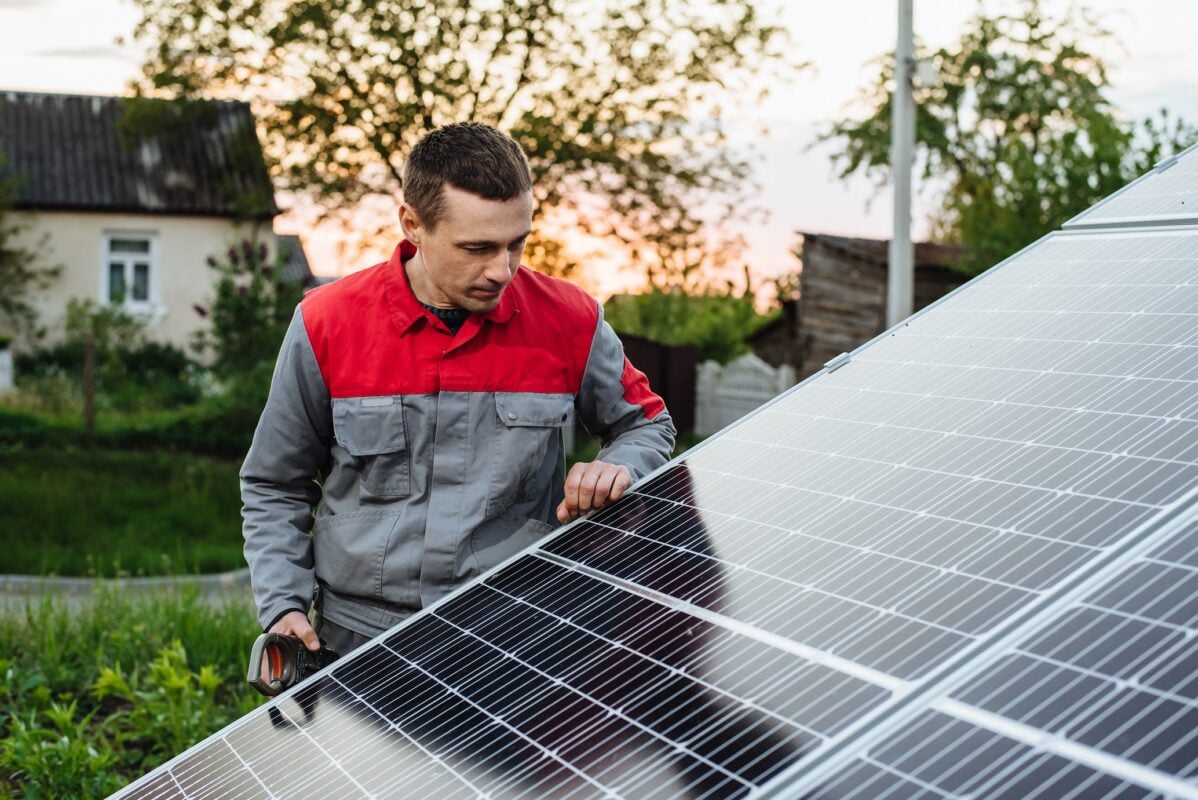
x=406, y=310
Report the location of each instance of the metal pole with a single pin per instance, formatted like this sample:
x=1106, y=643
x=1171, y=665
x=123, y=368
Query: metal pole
x=900, y=280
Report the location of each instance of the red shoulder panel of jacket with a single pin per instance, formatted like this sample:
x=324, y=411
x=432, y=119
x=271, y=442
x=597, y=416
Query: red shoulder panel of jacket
x=637, y=391
x=371, y=337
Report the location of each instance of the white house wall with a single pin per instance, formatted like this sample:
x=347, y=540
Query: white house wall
x=76, y=241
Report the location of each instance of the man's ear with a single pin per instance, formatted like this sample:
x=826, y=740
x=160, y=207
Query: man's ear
x=410, y=223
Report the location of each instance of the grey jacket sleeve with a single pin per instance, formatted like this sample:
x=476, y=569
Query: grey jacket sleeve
x=615, y=403
x=278, y=479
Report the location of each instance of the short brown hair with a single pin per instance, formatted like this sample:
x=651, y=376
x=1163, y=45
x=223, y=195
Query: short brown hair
x=467, y=155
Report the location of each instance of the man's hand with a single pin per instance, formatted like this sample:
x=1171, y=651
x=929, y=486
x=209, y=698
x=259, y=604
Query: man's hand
x=295, y=623
x=592, y=485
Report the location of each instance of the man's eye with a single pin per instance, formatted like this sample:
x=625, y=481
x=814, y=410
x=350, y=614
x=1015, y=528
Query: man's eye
x=517, y=245
x=477, y=250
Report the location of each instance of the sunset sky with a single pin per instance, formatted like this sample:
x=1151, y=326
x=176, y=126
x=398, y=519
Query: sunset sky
x=67, y=46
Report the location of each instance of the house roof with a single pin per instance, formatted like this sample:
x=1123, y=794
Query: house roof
x=877, y=251
x=295, y=265
x=79, y=152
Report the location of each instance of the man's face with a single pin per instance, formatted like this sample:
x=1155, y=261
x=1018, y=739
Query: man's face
x=472, y=254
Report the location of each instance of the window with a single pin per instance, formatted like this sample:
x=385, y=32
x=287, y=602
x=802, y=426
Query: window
x=130, y=274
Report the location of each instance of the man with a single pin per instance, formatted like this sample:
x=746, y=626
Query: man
x=428, y=394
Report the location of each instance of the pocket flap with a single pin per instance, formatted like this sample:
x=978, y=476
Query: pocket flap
x=368, y=426
x=529, y=409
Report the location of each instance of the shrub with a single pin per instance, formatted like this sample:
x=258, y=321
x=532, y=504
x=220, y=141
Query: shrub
x=251, y=310
x=132, y=373
x=92, y=697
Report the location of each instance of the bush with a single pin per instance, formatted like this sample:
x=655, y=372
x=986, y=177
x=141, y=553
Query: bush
x=93, y=697
x=132, y=373
x=16, y=427
x=251, y=310
x=716, y=321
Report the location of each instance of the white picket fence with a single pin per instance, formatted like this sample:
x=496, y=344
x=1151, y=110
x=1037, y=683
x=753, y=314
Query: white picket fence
x=724, y=394
x=6, y=384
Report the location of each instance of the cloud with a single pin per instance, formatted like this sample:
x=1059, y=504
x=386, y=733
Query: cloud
x=4, y=4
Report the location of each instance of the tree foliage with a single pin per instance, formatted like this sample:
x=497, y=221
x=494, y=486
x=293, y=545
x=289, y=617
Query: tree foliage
x=619, y=103
x=1018, y=127
x=21, y=273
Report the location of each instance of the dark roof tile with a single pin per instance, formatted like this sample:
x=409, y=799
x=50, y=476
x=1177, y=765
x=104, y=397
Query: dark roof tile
x=68, y=152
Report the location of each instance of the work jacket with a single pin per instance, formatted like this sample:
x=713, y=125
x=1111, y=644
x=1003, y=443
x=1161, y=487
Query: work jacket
x=394, y=459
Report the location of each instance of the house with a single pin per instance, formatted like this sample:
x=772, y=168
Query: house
x=131, y=196
x=842, y=298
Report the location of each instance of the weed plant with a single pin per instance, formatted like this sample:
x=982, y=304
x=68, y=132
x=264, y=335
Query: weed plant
x=95, y=693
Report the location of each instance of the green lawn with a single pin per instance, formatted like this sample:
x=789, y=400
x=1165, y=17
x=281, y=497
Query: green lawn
x=97, y=512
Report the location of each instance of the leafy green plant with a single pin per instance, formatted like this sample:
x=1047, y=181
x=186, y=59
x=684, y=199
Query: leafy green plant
x=163, y=710
x=52, y=753
x=95, y=693
x=250, y=311
x=716, y=320
x=132, y=372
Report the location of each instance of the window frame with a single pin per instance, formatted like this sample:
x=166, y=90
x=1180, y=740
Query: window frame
x=152, y=304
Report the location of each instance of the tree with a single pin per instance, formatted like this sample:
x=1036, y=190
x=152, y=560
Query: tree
x=20, y=273
x=619, y=103
x=1018, y=128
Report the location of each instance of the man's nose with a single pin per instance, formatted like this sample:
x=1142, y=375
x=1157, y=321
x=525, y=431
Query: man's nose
x=499, y=270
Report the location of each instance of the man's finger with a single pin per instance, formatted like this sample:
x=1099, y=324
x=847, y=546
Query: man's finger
x=588, y=485
x=308, y=636
x=604, y=486
x=620, y=485
x=295, y=623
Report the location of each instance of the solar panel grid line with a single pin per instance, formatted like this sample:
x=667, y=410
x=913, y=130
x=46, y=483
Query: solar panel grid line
x=687, y=673
x=435, y=760
x=844, y=663
x=631, y=721
x=747, y=702
x=986, y=765
x=458, y=743
x=831, y=621
x=549, y=753
x=335, y=765
x=924, y=516
x=875, y=548
x=1095, y=468
x=1145, y=539
x=877, y=678
x=244, y=777
x=469, y=738
x=280, y=750
x=1058, y=745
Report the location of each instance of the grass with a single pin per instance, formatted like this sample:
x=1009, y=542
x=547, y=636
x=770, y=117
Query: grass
x=94, y=695
x=96, y=512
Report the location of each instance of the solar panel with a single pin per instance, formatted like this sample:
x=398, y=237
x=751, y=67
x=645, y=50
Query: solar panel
x=1167, y=194
x=760, y=614
x=1100, y=700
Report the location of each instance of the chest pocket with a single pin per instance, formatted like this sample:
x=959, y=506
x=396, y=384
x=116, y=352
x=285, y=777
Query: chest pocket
x=371, y=430
x=527, y=446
